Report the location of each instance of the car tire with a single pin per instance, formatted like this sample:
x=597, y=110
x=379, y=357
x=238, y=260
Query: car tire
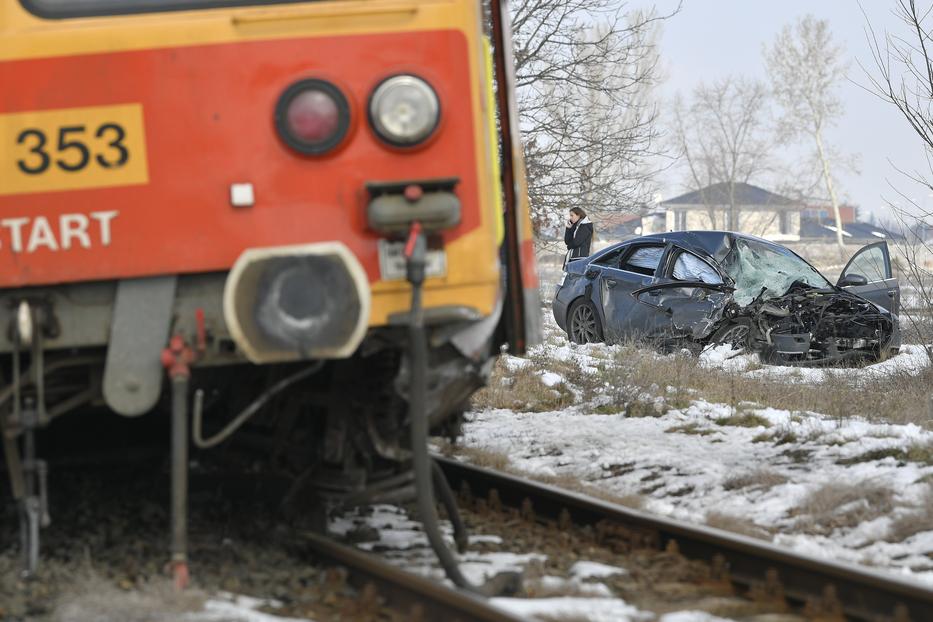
x=737, y=334
x=583, y=325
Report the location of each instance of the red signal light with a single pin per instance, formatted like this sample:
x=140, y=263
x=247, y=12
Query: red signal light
x=312, y=116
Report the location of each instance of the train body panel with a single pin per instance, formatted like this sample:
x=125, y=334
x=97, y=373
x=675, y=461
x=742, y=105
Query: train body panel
x=186, y=131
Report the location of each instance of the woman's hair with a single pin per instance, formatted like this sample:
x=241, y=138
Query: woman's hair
x=579, y=212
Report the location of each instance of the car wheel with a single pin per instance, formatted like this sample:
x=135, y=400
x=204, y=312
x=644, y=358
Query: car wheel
x=583, y=324
x=736, y=334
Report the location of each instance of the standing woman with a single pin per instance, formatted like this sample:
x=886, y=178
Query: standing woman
x=578, y=235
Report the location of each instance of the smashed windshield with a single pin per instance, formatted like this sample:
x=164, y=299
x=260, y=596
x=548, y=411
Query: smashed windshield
x=757, y=266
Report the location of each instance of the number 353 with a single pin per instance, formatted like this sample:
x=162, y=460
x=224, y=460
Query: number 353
x=72, y=148
x=72, y=151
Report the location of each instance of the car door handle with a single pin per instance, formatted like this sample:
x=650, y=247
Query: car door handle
x=610, y=284
x=892, y=293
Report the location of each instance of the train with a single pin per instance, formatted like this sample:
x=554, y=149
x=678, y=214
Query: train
x=304, y=218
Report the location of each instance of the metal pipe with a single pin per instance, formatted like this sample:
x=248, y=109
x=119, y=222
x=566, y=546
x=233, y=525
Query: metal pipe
x=180, y=479
x=246, y=413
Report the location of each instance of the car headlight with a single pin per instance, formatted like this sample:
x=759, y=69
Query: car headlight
x=404, y=110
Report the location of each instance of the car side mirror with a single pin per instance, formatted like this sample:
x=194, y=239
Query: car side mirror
x=592, y=273
x=853, y=280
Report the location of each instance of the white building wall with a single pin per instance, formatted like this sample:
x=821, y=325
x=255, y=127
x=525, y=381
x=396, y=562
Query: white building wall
x=765, y=223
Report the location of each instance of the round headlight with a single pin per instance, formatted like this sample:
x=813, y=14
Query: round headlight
x=312, y=116
x=404, y=110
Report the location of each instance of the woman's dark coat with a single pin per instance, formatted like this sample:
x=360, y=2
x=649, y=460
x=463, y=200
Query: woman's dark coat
x=578, y=239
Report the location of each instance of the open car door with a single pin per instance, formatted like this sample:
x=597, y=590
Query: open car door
x=869, y=275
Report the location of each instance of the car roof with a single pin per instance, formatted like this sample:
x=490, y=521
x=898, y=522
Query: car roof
x=717, y=244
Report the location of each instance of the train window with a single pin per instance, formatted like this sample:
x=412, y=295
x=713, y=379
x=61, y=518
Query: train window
x=59, y=9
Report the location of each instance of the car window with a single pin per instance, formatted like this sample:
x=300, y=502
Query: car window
x=689, y=267
x=870, y=263
x=643, y=260
x=610, y=259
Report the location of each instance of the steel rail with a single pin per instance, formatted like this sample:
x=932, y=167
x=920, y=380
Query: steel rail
x=421, y=599
x=858, y=593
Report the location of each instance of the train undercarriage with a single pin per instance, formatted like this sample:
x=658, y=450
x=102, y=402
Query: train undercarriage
x=345, y=432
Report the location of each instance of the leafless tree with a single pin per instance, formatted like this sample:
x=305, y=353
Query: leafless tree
x=585, y=70
x=903, y=76
x=723, y=136
x=805, y=66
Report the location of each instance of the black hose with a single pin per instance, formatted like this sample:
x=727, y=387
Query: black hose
x=461, y=536
x=421, y=461
x=418, y=420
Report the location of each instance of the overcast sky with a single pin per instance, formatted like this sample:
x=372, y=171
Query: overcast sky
x=710, y=39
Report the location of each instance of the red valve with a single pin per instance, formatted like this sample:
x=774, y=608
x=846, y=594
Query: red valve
x=413, y=234
x=177, y=357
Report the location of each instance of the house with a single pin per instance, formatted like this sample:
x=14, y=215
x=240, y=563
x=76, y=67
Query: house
x=757, y=211
x=823, y=212
x=852, y=233
x=619, y=225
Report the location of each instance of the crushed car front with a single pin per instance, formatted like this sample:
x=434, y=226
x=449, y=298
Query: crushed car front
x=795, y=315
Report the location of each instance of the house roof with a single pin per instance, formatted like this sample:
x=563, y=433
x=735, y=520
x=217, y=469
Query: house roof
x=718, y=194
x=850, y=231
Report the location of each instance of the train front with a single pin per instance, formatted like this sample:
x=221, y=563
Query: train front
x=193, y=188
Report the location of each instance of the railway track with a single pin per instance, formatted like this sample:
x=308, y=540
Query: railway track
x=818, y=588
x=416, y=598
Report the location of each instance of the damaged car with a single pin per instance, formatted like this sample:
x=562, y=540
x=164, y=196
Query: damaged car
x=698, y=288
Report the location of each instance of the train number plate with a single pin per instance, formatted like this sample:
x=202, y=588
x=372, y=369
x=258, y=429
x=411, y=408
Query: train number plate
x=72, y=148
x=392, y=261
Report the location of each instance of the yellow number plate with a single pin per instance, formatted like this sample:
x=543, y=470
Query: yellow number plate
x=72, y=148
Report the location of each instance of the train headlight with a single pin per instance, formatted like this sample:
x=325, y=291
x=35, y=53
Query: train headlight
x=404, y=110
x=312, y=116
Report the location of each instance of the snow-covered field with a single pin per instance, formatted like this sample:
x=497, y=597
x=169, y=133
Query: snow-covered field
x=841, y=488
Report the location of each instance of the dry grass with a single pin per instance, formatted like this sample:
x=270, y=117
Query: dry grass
x=916, y=522
x=642, y=383
x=898, y=398
x=760, y=478
x=93, y=598
x=485, y=458
x=744, y=420
x=693, y=428
x=500, y=462
x=522, y=389
x=838, y=506
x=917, y=452
x=736, y=524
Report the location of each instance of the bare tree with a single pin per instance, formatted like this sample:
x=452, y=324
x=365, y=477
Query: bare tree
x=903, y=77
x=805, y=66
x=723, y=136
x=585, y=70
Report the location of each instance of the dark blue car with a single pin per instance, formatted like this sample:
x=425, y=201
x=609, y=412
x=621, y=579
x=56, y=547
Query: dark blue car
x=694, y=288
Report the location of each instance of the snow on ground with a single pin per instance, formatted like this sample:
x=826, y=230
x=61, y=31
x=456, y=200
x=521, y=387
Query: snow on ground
x=682, y=463
x=226, y=607
x=911, y=359
x=770, y=478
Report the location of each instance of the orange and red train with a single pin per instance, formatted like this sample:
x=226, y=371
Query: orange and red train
x=191, y=189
